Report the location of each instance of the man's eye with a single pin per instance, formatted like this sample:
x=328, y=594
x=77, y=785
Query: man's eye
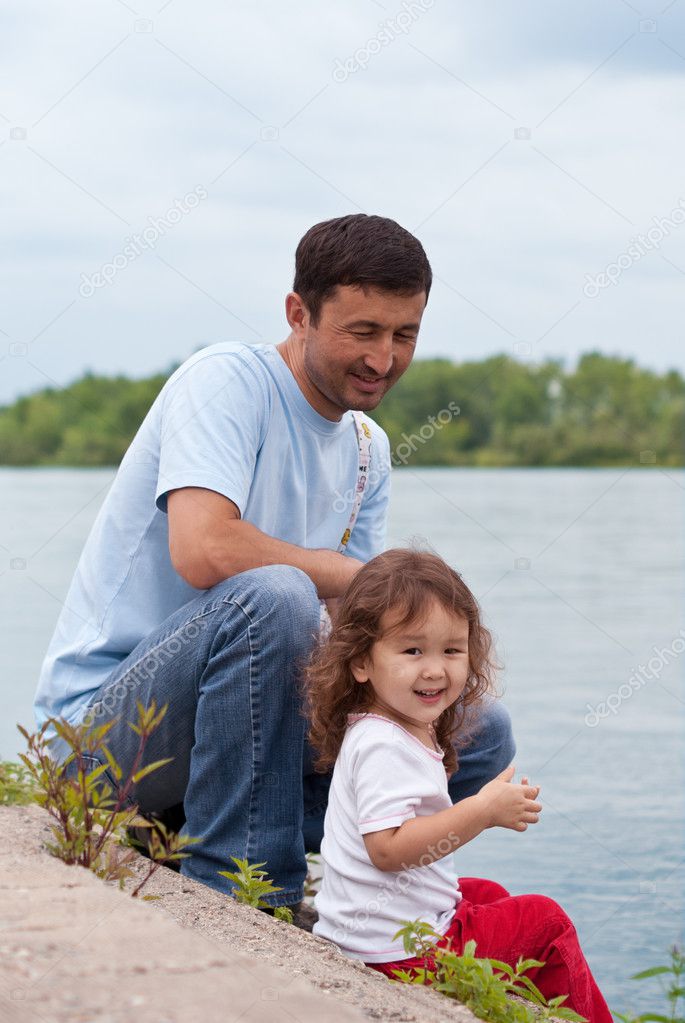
x=362, y=333
x=405, y=337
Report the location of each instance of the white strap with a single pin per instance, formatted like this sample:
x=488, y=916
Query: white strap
x=364, y=445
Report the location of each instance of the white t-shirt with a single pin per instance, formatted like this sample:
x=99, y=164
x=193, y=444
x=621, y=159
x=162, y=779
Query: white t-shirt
x=383, y=776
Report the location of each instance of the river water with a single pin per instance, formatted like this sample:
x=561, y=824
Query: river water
x=579, y=573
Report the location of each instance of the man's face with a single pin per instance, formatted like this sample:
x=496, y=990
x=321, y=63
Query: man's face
x=363, y=343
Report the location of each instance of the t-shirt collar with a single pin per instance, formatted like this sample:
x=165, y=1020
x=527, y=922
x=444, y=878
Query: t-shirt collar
x=353, y=718
x=298, y=400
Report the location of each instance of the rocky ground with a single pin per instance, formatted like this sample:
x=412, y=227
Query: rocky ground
x=74, y=949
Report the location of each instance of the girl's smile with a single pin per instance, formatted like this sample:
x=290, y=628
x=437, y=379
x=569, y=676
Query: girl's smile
x=417, y=670
x=429, y=695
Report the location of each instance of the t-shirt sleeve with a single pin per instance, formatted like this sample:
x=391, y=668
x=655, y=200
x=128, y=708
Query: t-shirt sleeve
x=214, y=418
x=389, y=783
x=370, y=530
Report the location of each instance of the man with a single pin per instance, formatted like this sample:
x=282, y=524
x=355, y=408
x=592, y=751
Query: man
x=201, y=581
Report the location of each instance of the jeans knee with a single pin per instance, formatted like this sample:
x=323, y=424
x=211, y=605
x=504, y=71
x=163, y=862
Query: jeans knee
x=289, y=587
x=283, y=593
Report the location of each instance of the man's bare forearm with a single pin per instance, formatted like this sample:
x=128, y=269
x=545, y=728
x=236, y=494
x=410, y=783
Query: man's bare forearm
x=243, y=546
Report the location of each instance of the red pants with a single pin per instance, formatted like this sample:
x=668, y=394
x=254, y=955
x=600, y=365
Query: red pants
x=506, y=927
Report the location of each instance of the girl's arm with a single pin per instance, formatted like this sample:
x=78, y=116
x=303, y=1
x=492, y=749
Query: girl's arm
x=421, y=840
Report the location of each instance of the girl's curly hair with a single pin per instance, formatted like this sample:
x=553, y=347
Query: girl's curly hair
x=406, y=582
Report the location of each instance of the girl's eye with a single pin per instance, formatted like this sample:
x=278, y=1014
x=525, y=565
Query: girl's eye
x=449, y=650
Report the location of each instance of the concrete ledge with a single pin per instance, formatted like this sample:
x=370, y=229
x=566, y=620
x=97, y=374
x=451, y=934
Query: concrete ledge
x=74, y=949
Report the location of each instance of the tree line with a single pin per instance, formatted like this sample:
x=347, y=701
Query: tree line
x=493, y=412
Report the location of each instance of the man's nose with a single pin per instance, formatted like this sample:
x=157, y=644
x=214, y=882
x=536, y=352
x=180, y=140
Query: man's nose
x=380, y=358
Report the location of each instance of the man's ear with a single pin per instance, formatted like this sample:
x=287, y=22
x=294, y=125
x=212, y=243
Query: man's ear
x=296, y=313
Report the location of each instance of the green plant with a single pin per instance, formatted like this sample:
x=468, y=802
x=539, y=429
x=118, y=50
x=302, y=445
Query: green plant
x=16, y=786
x=91, y=820
x=484, y=985
x=674, y=992
x=251, y=883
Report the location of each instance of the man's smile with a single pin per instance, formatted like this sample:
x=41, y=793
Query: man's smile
x=368, y=384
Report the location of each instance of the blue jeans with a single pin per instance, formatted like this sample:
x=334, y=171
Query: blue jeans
x=228, y=664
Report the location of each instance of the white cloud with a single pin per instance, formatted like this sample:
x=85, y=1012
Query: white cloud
x=425, y=134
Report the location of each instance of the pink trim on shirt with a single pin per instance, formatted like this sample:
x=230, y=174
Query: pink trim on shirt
x=353, y=718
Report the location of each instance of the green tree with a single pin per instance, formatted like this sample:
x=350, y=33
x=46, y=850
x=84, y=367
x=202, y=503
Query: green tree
x=496, y=411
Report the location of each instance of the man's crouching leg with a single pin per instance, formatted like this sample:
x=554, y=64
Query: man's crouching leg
x=227, y=664
x=244, y=795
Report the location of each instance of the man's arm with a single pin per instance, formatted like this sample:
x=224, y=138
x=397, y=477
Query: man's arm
x=209, y=542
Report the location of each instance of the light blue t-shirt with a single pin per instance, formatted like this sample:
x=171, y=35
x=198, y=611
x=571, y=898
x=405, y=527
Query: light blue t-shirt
x=231, y=419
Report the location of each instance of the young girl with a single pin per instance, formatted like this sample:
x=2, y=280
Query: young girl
x=407, y=663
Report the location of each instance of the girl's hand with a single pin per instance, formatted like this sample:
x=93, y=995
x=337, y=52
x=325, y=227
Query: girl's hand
x=508, y=805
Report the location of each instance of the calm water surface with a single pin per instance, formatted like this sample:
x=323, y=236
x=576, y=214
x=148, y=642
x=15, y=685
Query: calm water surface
x=579, y=573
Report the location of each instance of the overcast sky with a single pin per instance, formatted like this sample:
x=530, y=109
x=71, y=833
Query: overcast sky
x=526, y=145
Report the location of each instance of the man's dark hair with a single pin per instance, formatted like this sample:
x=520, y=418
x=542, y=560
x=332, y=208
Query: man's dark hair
x=358, y=249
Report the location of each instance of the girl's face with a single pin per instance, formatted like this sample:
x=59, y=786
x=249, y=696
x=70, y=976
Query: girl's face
x=418, y=671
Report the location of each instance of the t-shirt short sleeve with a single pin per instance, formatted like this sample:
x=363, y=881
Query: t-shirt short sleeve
x=389, y=783
x=214, y=417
